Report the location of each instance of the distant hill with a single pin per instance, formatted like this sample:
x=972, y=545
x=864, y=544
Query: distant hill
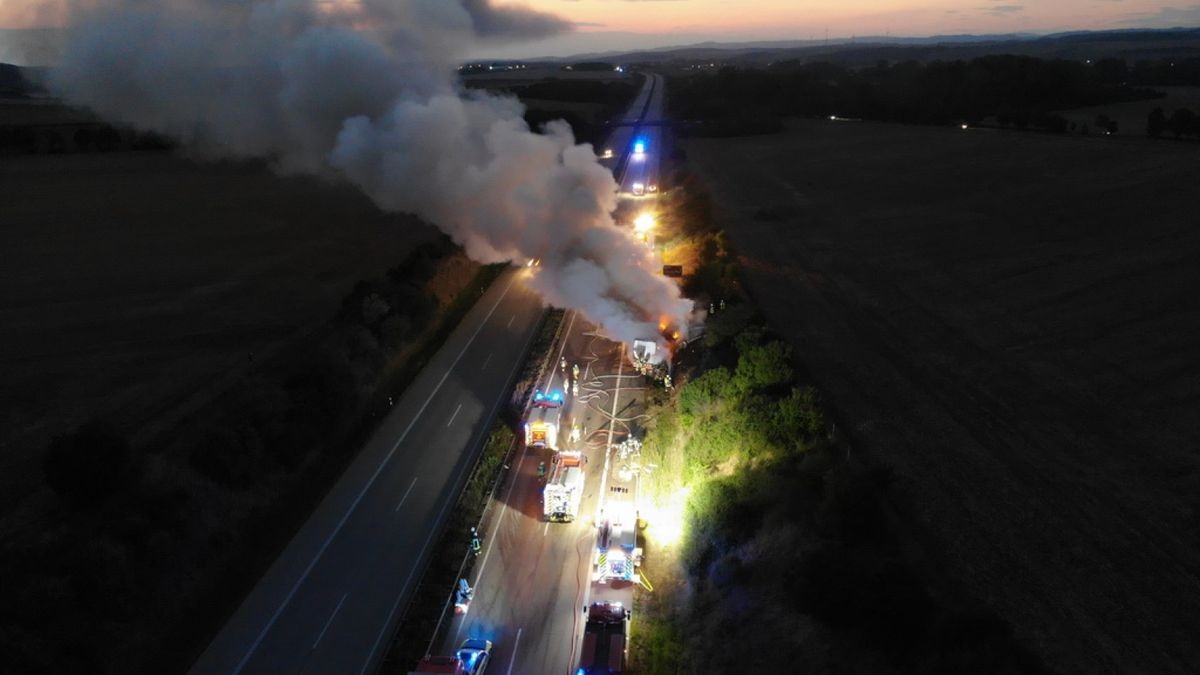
x=1133, y=44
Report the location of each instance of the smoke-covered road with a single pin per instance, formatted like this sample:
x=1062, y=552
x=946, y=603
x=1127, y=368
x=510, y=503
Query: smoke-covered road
x=535, y=577
x=329, y=602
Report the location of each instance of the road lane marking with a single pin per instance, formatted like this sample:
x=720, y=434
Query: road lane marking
x=513, y=659
x=612, y=421
x=329, y=621
x=558, y=361
x=442, y=514
x=510, y=320
x=454, y=415
x=354, y=505
x=410, y=487
x=486, y=362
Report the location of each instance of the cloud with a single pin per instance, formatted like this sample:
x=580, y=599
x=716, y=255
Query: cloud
x=1166, y=17
x=1002, y=10
x=511, y=22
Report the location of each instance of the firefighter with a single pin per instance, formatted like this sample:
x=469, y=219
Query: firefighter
x=575, y=371
x=563, y=364
x=722, y=304
x=667, y=381
x=476, y=544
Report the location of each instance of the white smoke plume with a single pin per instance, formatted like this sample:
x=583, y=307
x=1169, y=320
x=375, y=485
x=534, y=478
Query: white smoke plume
x=366, y=90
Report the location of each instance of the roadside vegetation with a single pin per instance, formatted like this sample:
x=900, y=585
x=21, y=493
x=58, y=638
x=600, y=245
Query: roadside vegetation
x=762, y=531
x=1019, y=92
x=150, y=548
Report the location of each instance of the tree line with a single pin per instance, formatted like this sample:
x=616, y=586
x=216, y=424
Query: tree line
x=1182, y=123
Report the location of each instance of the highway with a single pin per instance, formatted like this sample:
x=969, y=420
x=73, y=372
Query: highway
x=534, y=578
x=330, y=601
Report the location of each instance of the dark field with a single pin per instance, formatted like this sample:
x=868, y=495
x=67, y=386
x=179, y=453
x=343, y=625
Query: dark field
x=136, y=286
x=1009, y=321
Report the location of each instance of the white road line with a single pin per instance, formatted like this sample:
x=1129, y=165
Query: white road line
x=441, y=514
x=485, y=362
x=329, y=621
x=454, y=415
x=612, y=421
x=513, y=659
x=410, y=487
x=566, y=337
x=354, y=505
x=510, y=320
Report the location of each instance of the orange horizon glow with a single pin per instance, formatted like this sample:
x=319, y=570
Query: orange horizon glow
x=800, y=19
x=626, y=25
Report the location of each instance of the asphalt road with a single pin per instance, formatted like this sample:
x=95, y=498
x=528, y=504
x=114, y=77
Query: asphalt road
x=330, y=601
x=535, y=577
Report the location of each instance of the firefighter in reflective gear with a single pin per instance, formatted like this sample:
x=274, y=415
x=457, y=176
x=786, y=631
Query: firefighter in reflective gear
x=563, y=364
x=667, y=381
x=475, y=543
x=722, y=304
x=575, y=371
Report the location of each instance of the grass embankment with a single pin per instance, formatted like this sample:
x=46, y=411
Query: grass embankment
x=763, y=533
x=419, y=624
x=153, y=547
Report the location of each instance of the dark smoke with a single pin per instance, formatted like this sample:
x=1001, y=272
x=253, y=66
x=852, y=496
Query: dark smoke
x=512, y=22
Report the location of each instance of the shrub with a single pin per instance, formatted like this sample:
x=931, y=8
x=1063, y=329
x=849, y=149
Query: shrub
x=761, y=368
x=797, y=416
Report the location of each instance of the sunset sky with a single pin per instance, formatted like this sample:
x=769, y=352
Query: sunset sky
x=607, y=25
x=631, y=24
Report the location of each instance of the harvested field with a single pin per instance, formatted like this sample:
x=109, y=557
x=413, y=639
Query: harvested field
x=136, y=286
x=1010, y=322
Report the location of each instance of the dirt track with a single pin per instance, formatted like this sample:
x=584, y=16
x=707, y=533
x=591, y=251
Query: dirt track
x=1011, y=322
x=134, y=284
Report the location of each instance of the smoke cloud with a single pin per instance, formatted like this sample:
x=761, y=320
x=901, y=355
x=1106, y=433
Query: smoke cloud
x=366, y=91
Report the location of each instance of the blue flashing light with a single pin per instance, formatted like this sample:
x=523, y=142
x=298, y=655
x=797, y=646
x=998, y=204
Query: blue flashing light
x=639, y=147
x=557, y=396
x=581, y=671
x=538, y=395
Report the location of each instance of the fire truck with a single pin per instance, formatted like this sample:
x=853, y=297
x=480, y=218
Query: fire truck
x=604, y=639
x=564, y=489
x=545, y=419
x=617, y=552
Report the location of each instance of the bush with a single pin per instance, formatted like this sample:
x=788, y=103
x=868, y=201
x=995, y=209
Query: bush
x=88, y=466
x=762, y=368
x=797, y=417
